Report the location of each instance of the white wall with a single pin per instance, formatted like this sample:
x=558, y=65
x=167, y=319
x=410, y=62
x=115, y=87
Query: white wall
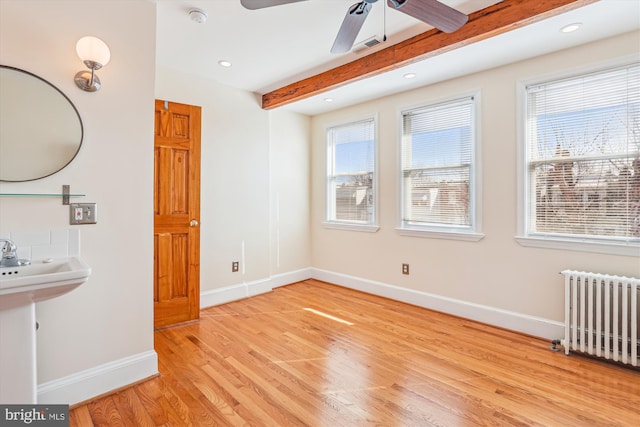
x=255, y=191
x=109, y=320
x=254, y=164
x=258, y=187
x=290, y=234
x=234, y=177
x=493, y=275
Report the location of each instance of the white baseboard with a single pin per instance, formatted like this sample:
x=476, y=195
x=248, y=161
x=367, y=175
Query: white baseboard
x=291, y=277
x=102, y=379
x=223, y=295
x=531, y=325
x=233, y=293
x=94, y=382
x=249, y=289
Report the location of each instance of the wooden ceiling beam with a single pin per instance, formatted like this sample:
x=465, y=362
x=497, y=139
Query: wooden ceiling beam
x=483, y=24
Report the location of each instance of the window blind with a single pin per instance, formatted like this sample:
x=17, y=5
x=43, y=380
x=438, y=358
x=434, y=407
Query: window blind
x=437, y=154
x=351, y=163
x=583, y=155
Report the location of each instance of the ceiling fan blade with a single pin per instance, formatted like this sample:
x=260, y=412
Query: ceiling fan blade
x=432, y=12
x=350, y=27
x=261, y=4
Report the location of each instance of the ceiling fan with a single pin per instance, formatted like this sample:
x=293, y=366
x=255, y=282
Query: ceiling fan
x=432, y=12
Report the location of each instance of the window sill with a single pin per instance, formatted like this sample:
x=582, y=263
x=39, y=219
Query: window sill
x=602, y=247
x=468, y=236
x=368, y=228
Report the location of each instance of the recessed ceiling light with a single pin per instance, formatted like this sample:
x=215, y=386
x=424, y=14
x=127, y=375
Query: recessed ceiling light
x=409, y=75
x=571, y=27
x=328, y=100
x=224, y=63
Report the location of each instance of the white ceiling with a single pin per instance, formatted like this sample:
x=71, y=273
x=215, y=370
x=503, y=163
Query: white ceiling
x=270, y=48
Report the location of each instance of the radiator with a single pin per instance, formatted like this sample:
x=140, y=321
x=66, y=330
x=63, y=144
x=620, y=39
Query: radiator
x=601, y=316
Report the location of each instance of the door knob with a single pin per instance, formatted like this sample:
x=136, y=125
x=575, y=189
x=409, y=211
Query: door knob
x=193, y=223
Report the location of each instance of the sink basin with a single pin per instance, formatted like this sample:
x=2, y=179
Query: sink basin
x=20, y=288
x=41, y=280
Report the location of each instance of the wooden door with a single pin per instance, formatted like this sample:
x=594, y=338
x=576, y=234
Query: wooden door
x=177, y=213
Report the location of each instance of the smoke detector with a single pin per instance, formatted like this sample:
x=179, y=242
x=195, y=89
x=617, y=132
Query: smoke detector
x=198, y=15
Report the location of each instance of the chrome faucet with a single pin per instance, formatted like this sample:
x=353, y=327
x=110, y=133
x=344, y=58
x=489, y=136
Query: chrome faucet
x=9, y=255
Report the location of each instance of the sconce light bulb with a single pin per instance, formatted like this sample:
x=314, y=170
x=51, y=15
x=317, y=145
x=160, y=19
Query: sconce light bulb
x=93, y=51
x=94, y=54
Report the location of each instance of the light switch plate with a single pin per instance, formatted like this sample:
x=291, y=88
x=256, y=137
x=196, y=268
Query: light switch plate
x=83, y=213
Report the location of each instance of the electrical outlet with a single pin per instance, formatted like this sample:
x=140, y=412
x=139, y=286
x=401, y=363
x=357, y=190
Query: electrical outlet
x=83, y=213
x=235, y=266
x=405, y=268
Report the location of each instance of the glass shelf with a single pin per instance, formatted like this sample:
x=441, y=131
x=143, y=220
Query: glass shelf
x=39, y=195
x=65, y=194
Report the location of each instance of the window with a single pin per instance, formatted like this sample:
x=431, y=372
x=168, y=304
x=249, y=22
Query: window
x=351, y=198
x=582, y=150
x=439, y=171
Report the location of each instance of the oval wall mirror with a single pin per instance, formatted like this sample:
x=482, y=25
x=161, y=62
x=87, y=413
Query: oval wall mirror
x=40, y=128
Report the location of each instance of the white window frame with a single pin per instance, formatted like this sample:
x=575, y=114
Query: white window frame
x=473, y=232
x=329, y=222
x=548, y=241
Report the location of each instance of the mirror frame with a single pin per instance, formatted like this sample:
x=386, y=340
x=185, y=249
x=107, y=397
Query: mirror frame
x=61, y=167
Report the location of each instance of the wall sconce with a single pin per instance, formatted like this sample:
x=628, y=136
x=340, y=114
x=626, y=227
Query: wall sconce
x=95, y=54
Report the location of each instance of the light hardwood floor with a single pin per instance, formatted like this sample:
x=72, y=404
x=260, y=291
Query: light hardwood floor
x=276, y=360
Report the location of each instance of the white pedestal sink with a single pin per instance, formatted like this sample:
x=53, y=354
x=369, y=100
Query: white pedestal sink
x=20, y=288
